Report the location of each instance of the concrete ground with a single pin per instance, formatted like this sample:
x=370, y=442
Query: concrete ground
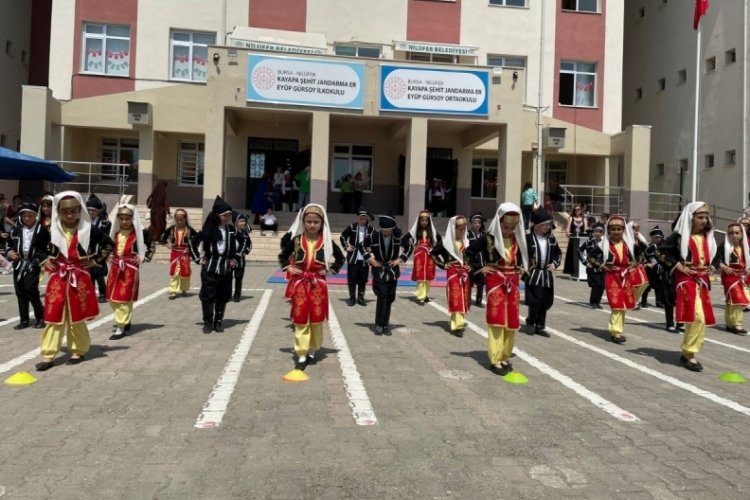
x=171, y=413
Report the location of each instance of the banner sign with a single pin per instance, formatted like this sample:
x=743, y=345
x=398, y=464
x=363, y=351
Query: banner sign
x=434, y=48
x=306, y=82
x=278, y=47
x=410, y=89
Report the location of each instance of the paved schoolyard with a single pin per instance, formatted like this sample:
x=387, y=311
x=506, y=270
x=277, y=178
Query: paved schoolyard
x=169, y=412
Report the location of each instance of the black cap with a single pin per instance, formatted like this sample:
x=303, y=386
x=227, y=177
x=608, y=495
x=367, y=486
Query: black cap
x=541, y=216
x=386, y=222
x=241, y=216
x=221, y=206
x=28, y=206
x=656, y=231
x=477, y=216
x=598, y=226
x=362, y=211
x=94, y=202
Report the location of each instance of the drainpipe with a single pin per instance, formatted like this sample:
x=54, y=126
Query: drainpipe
x=539, y=125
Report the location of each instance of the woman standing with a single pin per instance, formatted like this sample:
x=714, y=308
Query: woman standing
x=577, y=228
x=424, y=240
x=159, y=206
x=306, y=258
x=529, y=198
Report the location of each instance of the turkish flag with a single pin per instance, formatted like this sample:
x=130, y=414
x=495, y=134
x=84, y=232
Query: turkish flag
x=701, y=7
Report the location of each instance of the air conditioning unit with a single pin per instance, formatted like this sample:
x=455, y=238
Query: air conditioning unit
x=139, y=113
x=554, y=137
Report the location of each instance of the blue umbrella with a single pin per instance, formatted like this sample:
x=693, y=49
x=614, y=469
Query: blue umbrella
x=15, y=165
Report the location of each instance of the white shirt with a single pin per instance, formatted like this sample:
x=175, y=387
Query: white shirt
x=268, y=219
x=221, y=245
x=543, y=245
x=361, y=232
x=26, y=244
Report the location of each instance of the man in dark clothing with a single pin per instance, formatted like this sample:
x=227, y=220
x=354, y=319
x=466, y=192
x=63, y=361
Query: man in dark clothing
x=475, y=232
x=544, y=257
x=98, y=213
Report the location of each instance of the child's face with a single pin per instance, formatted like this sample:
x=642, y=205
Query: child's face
x=241, y=224
x=69, y=216
x=180, y=220
x=28, y=219
x=735, y=235
x=94, y=212
x=476, y=225
x=126, y=221
x=47, y=208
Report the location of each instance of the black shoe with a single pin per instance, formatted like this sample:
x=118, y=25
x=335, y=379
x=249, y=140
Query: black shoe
x=420, y=302
x=21, y=325
x=218, y=327
x=102, y=299
x=458, y=333
x=660, y=305
x=499, y=370
x=680, y=327
x=44, y=365
x=351, y=302
x=172, y=296
x=378, y=330
x=117, y=336
x=361, y=301
x=644, y=305
x=236, y=299
x=693, y=367
x=40, y=323
x=386, y=331
x=427, y=300
x=184, y=294
x=539, y=330
x=593, y=306
x=737, y=330
x=599, y=306
x=508, y=366
x=75, y=361
x=311, y=359
x=637, y=307
x=478, y=303
x=127, y=328
x=207, y=327
x=619, y=339
x=529, y=322
x=299, y=364
x=671, y=329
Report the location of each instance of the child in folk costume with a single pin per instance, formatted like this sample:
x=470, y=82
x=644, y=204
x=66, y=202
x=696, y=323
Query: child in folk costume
x=639, y=277
x=98, y=214
x=544, y=257
x=506, y=258
x=45, y=211
x=687, y=253
x=70, y=299
x=382, y=250
x=357, y=268
x=615, y=258
x=216, y=248
x=424, y=238
x=245, y=245
x=660, y=280
x=177, y=238
x=476, y=231
x=450, y=255
x=594, y=275
x=131, y=247
x=733, y=258
x=27, y=250
x=307, y=259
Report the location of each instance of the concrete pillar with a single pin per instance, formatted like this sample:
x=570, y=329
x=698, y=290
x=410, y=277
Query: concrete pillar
x=509, y=164
x=636, y=168
x=39, y=109
x=320, y=157
x=463, y=187
x=213, y=181
x=146, y=176
x=606, y=166
x=416, y=168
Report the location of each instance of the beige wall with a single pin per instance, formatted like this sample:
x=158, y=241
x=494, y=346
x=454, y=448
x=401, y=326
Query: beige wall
x=61, y=48
x=15, y=26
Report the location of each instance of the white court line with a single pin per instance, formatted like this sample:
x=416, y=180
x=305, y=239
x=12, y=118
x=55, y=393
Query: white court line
x=362, y=410
x=218, y=399
x=568, y=382
x=14, y=319
x=9, y=365
x=638, y=320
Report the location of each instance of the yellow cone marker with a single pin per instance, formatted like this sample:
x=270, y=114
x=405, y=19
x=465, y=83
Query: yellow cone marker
x=732, y=378
x=516, y=378
x=20, y=378
x=296, y=376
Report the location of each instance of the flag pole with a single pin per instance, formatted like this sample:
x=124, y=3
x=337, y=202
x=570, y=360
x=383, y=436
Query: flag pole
x=694, y=187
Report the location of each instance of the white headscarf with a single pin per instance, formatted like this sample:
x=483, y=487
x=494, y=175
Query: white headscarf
x=627, y=236
x=684, y=227
x=449, y=242
x=519, y=232
x=298, y=227
x=640, y=236
x=415, y=227
x=57, y=234
x=729, y=246
x=137, y=227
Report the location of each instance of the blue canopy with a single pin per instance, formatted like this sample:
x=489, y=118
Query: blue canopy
x=14, y=165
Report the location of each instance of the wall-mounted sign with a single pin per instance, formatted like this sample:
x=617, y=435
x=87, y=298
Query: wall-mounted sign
x=278, y=47
x=305, y=82
x=436, y=48
x=411, y=89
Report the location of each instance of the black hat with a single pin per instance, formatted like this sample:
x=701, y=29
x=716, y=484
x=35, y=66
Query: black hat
x=656, y=232
x=241, y=216
x=478, y=216
x=362, y=211
x=541, y=216
x=386, y=222
x=598, y=226
x=220, y=206
x=28, y=206
x=94, y=202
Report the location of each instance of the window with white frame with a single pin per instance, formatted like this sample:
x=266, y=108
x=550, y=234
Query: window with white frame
x=353, y=160
x=428, y=57
x=484, y=178
x=189, y=55
x=119, y=150
x=577, y=84
x=106, y=49
x=357, y=51
x=190, y=164
x=581, y=5
x=501, y=61
x=509, y=3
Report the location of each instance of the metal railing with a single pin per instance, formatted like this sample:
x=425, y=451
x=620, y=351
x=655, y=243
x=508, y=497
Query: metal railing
x=664, y=206
x=722, y=216
x=599, y=199
x=105, y=177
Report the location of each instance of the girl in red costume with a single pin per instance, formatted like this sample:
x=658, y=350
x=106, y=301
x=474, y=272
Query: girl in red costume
x=733, y=258
x=177, y=238
x=424, y=240
x=451, y=256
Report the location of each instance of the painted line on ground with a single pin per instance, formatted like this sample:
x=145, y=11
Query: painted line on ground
x=591, y=396
x=359, y=402
x=19, y=360
x=638, y=320
x=213, y=411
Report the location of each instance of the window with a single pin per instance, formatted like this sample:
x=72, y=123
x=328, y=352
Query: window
x=190, y=164
x=710, y=64
x=682, y=165
x=352, y=159
x=428, y=57
x=660, y=170
x=484, y=178
x=638, y=93
x=577, y=84
x=642, y=12
x=124, y=150
x=730, y=157
x=661, y=84
x=106, y=49
x=730, y=56
x=708, y=161
x=357, y=51
x=509, y=3
x=581, y=5
x=190, y=55
x=506, y=61
x=681, y=76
